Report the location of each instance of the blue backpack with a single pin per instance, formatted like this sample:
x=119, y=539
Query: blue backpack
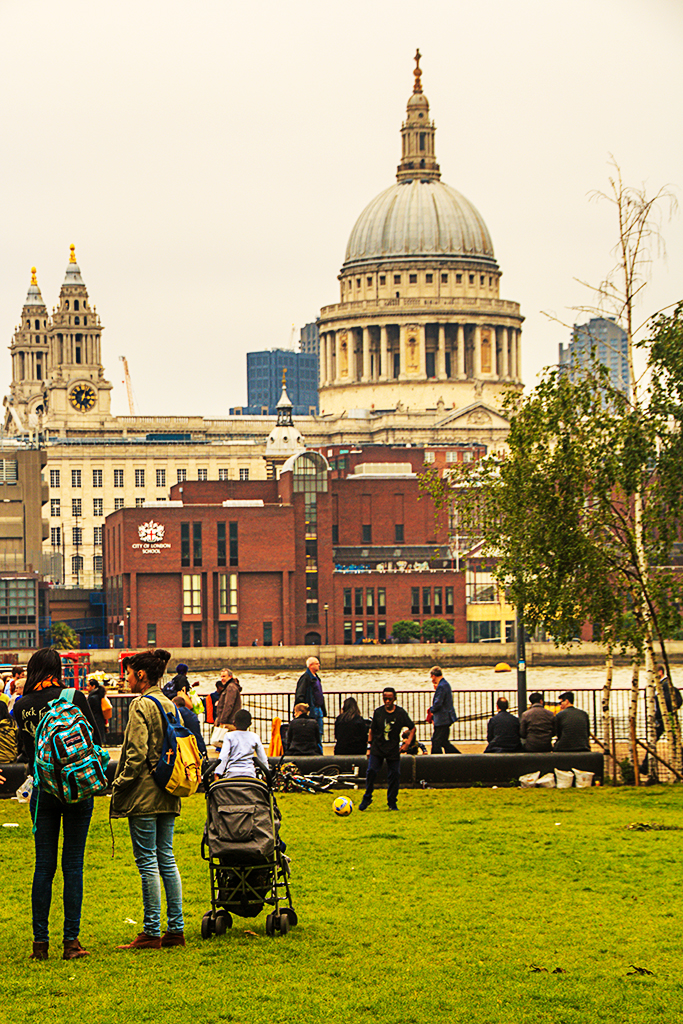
x=68, y=763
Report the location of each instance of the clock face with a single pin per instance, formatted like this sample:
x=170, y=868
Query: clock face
x=83, y=397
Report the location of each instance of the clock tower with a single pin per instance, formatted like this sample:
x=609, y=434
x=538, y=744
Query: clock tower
x=77, y=396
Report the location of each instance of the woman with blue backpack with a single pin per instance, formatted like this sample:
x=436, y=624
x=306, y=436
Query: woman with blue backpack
x=49, y=812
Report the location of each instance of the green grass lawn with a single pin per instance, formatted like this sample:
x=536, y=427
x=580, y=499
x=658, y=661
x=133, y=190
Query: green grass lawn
x=442, y=912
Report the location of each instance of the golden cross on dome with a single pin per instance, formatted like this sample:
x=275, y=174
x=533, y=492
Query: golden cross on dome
x=417, y=72
x=34, y=279
x=72, y=257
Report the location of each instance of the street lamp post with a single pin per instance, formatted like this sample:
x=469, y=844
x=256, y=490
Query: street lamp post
x=327, y=634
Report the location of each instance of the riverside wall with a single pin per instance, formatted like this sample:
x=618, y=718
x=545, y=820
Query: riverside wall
x=380, y=656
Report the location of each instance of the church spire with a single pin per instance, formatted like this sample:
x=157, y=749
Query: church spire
x=418, y=160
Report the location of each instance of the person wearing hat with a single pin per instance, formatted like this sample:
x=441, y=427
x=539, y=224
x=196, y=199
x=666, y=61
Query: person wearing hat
x=571, y=725
x=536, y=725
x=178, y=683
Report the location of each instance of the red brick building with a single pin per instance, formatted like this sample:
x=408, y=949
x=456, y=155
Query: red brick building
x=313, y=557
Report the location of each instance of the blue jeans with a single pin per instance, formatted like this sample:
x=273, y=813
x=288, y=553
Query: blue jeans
x=152, y=838
x=76, y=817
x=393, y=778
x=317, y=714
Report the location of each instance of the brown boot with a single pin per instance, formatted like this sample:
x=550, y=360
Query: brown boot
x=173, y=939
x=143, y=941
x=39, y=951
x=73, y=950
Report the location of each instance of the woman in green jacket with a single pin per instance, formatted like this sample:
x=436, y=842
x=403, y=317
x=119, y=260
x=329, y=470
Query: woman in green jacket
x=151, y=811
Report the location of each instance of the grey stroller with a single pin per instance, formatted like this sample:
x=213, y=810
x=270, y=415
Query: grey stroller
x=247, y=865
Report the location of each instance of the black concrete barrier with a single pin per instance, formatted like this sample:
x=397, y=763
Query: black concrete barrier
x=439, y=771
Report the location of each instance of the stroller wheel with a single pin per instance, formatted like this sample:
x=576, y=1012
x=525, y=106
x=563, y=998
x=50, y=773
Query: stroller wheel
x=291, y=914
x=284, y=924
x=207, y=925
x=223, y=922
x=270, y=924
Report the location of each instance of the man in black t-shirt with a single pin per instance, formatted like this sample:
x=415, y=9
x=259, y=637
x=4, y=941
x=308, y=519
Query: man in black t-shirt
x=385, y=745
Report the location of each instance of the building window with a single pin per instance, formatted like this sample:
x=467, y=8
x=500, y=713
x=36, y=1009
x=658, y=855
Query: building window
x=56, y=536
x=77, y=565
x=181, y=475
x=429, y=278
x=75, y=478
x=55, y=508
x=471, y=278
x=381, y=631
x=220, y=544
x=359, y=632
x=196, y=634
x=151, y=634
x=97, y=478
x=348, y=633
x=429, y=457
x=202, y=474
x=358, y=601
x=76, y=507
x=412, y=278
x=458, y=278
x=161, y=478
x=426, y=600
x=196, y=543
x=370, y=629
x=184, y=544
x=118, y=478
x=267, y=634
x=414, y=600
x=232, y=629
x=444, y=279
x=118, y=503
x=397, y=278
x=97, y=536
x=227, y=594
x=222, y=634
x=98, y=507
x=223, y=474
x=347, y=601
x=382, y=278
x=234, y=549
x=54, y=478
x=478, y=631
x=480, y=587
x=77, y=536
x=381, y=601
x=139, y=478
x=367, y=533
x=186, y=633
x=97, y=564
x=438, y=606
x=244, y=474
x=449, y=600
x=370, y=601
x=192, y=595
x=398, y=533
x=139, y=502
x=335, y=533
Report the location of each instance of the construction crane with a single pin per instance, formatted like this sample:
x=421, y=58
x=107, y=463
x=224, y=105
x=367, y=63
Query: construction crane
x=129, y=386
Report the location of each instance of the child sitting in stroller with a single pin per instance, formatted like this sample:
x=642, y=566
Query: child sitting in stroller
x=239, y=750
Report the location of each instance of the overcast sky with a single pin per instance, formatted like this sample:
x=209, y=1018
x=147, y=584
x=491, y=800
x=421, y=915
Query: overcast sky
x=209, y=160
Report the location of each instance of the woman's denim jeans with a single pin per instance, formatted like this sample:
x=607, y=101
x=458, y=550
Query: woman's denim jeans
x=76, y=818
x=152, y=838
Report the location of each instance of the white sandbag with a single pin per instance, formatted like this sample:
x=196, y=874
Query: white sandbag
x=530, y=780
x=565, y=780
x=584, y=780
x=547, y=781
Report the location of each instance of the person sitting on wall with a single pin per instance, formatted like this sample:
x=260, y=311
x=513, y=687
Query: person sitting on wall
x=303, y=734
x=536, y=725
x=571, y=726
x=351, y=730
x=502, y=731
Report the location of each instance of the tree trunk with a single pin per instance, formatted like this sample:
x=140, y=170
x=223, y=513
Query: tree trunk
x=632, y=717
x=606, y=717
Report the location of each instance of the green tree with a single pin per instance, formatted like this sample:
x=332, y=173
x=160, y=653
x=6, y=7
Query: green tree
x=436, y=631
x=582, y=512
x=63, y=637
x=406, y=630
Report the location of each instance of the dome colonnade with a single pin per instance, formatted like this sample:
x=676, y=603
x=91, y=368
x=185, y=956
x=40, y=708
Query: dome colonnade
x=419, y=295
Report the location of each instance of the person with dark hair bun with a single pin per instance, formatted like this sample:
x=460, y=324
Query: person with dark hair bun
x=351, y=730
x=151, y=811
x=43, y=685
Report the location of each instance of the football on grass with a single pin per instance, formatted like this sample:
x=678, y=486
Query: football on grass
x=342, y=806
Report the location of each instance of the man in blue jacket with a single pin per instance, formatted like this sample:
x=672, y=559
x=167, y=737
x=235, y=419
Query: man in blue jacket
x=443, y=713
